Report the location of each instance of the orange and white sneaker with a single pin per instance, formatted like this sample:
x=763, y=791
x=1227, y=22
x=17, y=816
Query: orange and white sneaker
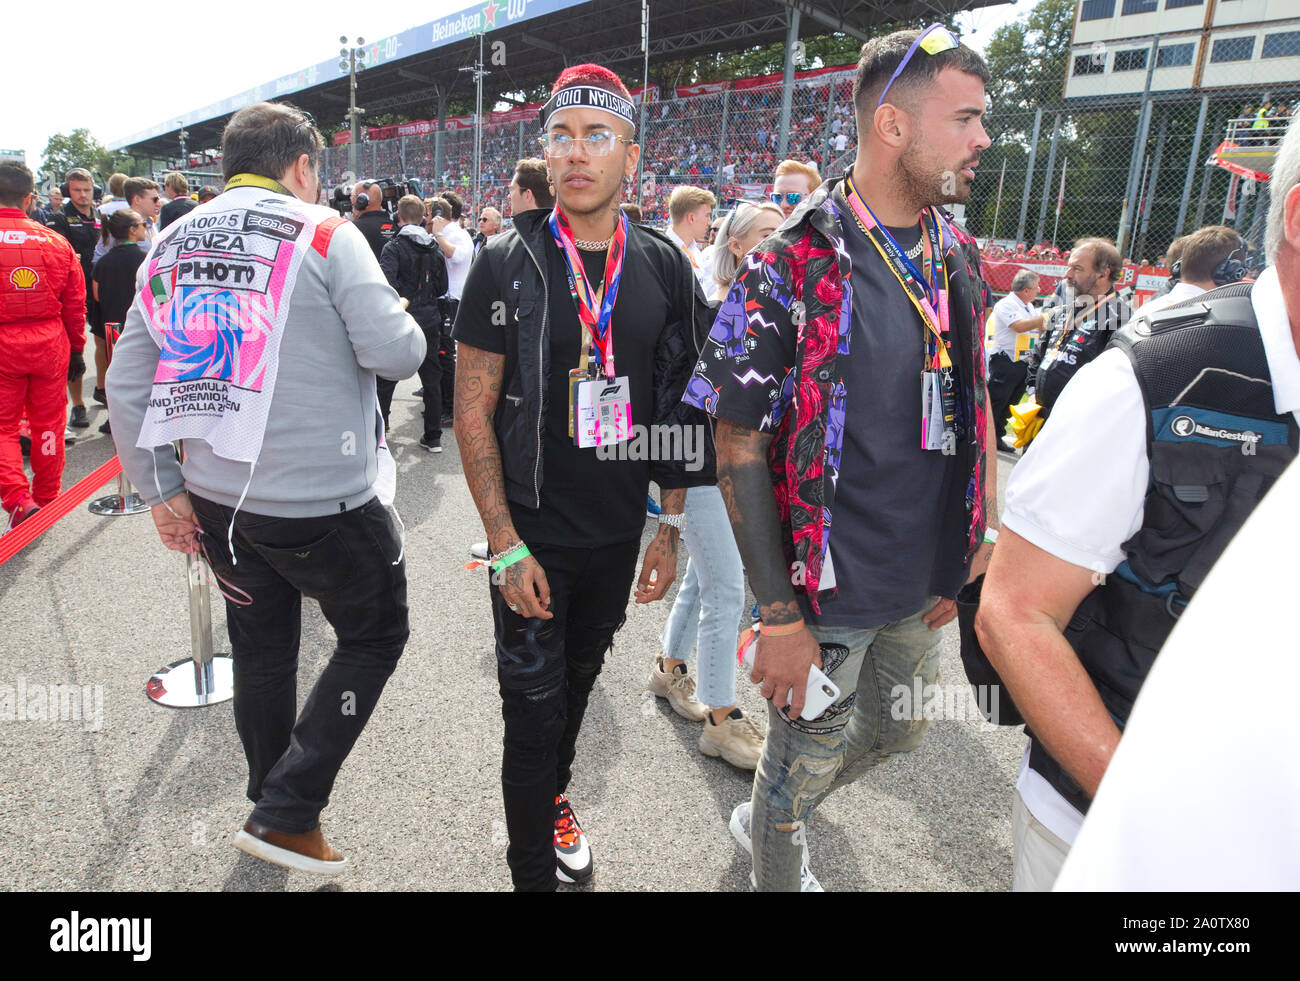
x=572, y=855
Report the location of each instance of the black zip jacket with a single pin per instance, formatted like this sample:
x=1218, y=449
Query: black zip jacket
x=517, y=260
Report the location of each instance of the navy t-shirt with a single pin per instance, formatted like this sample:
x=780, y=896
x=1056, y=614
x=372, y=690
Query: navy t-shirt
x=889, y=495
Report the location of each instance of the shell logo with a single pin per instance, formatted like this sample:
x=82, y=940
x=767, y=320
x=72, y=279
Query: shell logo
x=24, y=278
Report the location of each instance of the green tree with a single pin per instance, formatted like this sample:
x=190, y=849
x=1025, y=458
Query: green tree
x=1027, y=61
x=79, y=148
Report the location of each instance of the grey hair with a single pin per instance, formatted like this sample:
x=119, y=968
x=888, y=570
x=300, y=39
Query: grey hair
x=737, y=224
x=1285, y=175
x=1023, y=280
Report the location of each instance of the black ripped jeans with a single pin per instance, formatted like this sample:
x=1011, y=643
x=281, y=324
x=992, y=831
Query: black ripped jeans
x=546, y=669
x=346, y=562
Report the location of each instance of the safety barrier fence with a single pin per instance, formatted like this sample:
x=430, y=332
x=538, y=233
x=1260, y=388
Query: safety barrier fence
x=1140, y=175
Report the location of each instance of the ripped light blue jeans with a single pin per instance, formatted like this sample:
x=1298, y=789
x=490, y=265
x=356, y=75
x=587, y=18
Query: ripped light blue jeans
x=804, y=761
x=711, y=600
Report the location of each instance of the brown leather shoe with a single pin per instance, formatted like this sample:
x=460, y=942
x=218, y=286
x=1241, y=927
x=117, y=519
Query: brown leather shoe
x=307, y=852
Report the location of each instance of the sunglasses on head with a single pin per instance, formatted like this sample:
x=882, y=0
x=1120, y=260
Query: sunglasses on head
x=934, y=39
x=791, y=197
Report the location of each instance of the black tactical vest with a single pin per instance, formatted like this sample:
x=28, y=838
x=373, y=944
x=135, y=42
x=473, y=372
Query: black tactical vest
x=1215, y=444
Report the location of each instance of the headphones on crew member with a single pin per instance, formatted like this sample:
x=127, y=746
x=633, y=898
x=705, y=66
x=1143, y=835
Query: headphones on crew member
x=1230, y=270
x=363, y=199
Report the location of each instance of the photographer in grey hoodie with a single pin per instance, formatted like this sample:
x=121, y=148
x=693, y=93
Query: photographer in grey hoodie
x=259, y=326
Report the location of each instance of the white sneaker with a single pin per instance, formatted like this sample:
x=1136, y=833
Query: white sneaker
x=740, y=831
x=479, y=550
x=679, y=688
x=572, y=853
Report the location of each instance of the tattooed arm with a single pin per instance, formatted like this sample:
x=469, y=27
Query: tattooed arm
x=661, y=554
x=479, y=378
x=781, y=662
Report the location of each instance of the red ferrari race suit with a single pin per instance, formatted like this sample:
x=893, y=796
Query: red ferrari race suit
x=42, y=320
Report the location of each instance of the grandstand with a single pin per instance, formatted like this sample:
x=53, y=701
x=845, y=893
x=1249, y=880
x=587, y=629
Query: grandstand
x=708, y=134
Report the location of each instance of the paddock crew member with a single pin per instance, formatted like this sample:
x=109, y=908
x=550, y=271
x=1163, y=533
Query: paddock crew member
x=42, y=334
x=1156, y=454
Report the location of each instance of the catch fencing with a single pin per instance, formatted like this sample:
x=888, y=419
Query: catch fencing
x=1141, y=177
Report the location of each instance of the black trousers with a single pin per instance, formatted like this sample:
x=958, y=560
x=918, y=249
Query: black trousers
x=447, y=356
x=345, y=562
x=546, y=670
x=1007, y=381
x=430, y=373
x=385, y=388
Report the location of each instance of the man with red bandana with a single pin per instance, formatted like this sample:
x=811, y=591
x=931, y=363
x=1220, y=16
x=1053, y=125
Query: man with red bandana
x=546, y=309
x=42, y=334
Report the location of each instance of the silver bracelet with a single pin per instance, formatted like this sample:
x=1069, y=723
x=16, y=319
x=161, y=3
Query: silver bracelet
x=677, y=521
x=504, y=552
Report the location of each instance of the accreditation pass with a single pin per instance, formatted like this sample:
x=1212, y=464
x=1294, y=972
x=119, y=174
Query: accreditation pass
x=604, y=411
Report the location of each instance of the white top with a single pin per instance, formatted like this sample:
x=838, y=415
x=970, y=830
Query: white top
x=841, y=141
x=1078, y=492
x=1177, y=294
x=1006, y=312
x=458, y=263
x=703, y=270
x=1187, y=804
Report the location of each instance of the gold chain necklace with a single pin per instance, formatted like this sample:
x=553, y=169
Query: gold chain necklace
x=592, y=246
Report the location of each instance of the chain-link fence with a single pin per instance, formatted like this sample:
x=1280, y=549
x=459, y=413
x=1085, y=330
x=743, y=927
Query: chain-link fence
x=1052, y=176
x=724, y=138
x=1140, y=178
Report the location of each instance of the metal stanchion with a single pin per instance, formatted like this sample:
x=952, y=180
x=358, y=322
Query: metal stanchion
x=206, y=678
x=126, y=500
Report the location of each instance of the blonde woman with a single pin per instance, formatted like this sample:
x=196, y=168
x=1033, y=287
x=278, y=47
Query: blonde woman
x=744, y=227
x=711, y=602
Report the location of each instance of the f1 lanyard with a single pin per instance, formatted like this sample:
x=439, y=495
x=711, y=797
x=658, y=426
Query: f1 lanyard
x=929, y=298
x=257, y=180
x=595, y=307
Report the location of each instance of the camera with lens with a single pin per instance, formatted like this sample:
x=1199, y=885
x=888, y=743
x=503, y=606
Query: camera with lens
x=391, y=189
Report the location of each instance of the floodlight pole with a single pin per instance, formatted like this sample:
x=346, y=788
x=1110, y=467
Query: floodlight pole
x=641, y=136
x=479, y=75
x=353, y=59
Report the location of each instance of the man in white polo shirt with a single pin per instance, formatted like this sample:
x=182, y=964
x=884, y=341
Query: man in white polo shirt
x=459, y=251
x=1115, y=515
x=1013, y=315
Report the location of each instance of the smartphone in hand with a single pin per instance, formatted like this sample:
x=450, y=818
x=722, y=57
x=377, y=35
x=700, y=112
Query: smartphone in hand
x=821, y=692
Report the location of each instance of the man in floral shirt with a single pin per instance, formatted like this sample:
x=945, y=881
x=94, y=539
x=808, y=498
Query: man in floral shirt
x=846, y=372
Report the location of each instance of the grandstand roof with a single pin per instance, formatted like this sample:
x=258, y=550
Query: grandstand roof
x=541, y=37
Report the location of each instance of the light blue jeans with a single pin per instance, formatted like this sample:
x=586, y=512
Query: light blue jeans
x=804, y=761
x=711, y=599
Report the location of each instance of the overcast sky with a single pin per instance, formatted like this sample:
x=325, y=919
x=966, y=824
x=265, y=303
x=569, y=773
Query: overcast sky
x=194, y=59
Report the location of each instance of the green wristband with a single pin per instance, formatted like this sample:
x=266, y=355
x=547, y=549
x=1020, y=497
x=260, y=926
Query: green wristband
x=516, y=554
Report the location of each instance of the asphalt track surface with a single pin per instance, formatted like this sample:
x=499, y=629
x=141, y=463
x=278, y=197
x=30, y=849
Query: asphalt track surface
x=153, y=798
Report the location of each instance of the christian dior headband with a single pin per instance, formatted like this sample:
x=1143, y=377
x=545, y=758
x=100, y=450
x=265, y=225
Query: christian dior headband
x=592, y=98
